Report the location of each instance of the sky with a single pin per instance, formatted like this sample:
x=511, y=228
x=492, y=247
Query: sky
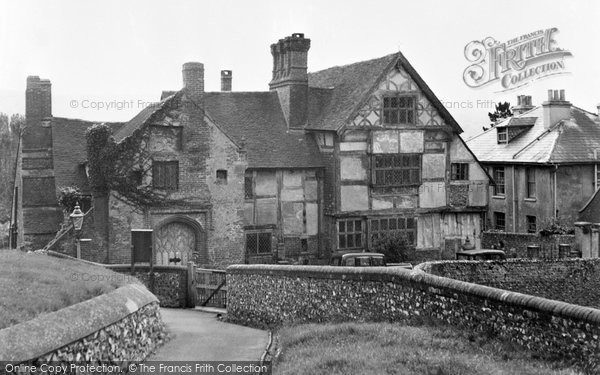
x=121, y=55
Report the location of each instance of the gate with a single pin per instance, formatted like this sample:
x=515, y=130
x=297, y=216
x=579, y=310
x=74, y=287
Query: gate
x=208, y=287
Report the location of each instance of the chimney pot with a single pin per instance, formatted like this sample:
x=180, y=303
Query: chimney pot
x=226, y=79
x=562, y=95
x=549, y=95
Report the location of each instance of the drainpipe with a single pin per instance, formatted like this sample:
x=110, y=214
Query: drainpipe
x=555, y=193
x=514, y=203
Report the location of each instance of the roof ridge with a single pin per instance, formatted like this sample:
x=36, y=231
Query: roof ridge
x=351, y=64
x=585, y=110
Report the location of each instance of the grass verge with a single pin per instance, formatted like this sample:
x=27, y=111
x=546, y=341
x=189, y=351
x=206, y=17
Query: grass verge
x=388, y=348
x=32, y=284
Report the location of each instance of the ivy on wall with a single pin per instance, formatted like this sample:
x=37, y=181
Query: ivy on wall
x=124, y=167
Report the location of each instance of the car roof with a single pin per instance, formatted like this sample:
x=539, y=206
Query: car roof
x=478, y=252
x=340, y=254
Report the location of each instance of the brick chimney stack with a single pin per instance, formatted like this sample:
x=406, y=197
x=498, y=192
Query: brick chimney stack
x=523, y=104
x=290, y=78
x=556, y=108
x=38, y=99
x=226, y=78
x=38, y=112
x=193, y=80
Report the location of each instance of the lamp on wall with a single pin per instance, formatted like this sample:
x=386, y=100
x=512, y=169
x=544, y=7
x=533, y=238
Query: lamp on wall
x=77, y=221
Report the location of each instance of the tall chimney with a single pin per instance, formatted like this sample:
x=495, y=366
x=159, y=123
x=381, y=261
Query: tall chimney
x=556, y=108
x=38, y=111
x=523, y=104
x=290, y=78
x=193, y=80
x=226, y=78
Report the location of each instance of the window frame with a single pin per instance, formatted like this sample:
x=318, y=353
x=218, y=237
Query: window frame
x=159, y=181
x=266, y=234
x=376, y=231
x=502, y=135
x=499, y=188
x=530, y=184
x=396, y=166
x=531, y=224
x=459, y=171
x=249, y=191
x=352, y=233
x=387, y=110
x=497, y=216
x=221, y=176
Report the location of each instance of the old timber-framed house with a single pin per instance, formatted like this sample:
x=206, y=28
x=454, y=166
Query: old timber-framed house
x=322, y=161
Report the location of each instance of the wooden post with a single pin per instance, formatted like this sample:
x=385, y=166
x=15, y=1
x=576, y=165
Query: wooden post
x=191, y=285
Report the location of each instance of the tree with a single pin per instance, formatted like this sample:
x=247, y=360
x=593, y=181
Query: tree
x=9, y=141
x=502, y=111
x=394, y=245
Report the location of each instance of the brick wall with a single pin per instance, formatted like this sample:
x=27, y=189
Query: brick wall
x=574, y=281
x=520, y=241
x=275, y=295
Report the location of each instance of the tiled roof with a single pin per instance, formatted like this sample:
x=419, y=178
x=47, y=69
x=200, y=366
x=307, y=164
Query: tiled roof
x=590, y=211
x=344, y=88
x=138, y=120
x=257, y=118
x=69, y=149
x=347, y=86
x=569, y=141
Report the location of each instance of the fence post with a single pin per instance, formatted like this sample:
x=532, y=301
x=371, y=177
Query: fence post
x=191, y=284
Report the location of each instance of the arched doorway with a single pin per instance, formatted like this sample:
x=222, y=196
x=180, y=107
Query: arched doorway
x=178, y=240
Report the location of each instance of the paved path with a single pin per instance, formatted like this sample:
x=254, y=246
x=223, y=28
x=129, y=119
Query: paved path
x=200, y=336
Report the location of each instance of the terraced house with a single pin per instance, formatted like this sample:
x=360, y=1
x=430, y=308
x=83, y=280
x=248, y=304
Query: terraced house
x=321, y=161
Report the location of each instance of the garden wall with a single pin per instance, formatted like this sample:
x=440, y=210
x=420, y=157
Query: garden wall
x=520, y=241
x=270, y=295
x=574, y=281
x=124, y=325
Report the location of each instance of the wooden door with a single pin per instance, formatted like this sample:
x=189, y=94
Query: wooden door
x=141, y=239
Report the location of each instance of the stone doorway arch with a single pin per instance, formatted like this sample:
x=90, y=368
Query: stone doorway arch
x=177, y=240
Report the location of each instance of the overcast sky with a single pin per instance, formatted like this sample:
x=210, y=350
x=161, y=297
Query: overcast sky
x=117, y=51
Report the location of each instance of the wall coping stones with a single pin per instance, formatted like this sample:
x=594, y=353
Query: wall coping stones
x=424, y=280
x=46, y=333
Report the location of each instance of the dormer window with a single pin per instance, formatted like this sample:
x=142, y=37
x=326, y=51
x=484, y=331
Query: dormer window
x=502, y=135
x=399, y=109
x=325, y=140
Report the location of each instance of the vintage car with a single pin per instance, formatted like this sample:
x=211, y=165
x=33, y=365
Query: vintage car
x=364, y=259
x=481, y=254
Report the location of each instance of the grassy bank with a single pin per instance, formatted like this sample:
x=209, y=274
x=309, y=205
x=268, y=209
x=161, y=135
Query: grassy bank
x=386, y=348
x=34, y=284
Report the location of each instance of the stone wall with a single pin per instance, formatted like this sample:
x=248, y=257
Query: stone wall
x=112, y=329
x=575, y=281
x=167, y=283
x=274, y=295
x=520, y=241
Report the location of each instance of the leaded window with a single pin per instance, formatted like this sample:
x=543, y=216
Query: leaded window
x=397, y=169
x=382, y=226
x=399, y=109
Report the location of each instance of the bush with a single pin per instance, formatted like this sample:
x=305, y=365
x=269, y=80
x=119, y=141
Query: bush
x=394, y=245
x=68, y=197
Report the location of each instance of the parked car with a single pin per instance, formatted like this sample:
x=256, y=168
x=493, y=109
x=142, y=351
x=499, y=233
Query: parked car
x=482, y=254
x=364, y=259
